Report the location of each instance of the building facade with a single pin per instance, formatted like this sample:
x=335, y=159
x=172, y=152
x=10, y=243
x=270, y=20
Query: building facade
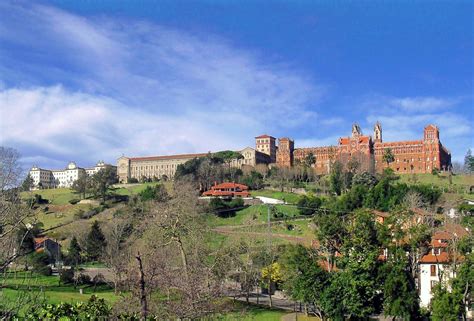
x=417, y=156
x=250, y=157
x=52, y=178
x=151, y=167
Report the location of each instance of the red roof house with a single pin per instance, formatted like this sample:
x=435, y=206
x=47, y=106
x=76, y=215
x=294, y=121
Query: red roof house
x=228, y=190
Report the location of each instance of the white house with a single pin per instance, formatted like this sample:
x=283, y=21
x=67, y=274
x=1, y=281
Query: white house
x=436, y=265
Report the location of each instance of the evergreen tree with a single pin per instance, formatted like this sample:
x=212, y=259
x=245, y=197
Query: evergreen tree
x=336, y=178
x=74, y=252
x=400, y=295
x=469, y=161
x=28, y=183
x=95, y=242
x=82, y=185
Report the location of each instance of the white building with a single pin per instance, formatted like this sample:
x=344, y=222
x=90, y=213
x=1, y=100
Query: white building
x=436, y=265
x=46, y=178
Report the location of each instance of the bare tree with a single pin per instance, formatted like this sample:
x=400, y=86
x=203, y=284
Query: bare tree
x=14, y=228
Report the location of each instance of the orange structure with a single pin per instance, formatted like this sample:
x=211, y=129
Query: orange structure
x=415, y=156
x=228, y=190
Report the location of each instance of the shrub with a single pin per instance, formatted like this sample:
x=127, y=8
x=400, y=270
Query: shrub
x=225, y=208
x=309, y=204
x=74, y=201
x=133, y=180
x=83, y=279
x=66, y=276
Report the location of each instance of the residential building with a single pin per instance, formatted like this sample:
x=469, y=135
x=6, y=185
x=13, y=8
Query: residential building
x=228, y=190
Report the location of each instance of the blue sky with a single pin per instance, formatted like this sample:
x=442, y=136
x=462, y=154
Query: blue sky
x=90, y=80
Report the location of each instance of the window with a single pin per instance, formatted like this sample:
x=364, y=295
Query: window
x=433, y=270
x=436, y=251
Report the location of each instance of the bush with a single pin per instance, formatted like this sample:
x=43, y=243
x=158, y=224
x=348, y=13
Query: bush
x=74, y=201
x=83, y=279
x=225, y=208
x=133, y=180
x=66, y=276
x=309, y=204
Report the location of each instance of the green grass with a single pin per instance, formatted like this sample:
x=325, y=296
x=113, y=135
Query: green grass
x=300, y=228
x=18, y=282
x=250, y=215
x=285, y=196
x=460, y=183
x=244, y=312
x=56, y=196
x=135, y=189
x=60, y=214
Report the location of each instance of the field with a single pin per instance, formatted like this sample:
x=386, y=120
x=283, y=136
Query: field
x=460, y=183
x=49, y=288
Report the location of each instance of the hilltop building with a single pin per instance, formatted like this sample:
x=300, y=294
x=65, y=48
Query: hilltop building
x=52, y=178
x=165, y=166
x=416, y=156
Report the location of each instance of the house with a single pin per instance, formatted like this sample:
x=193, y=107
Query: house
x=228, y=190
x=436, y=265
x=49, y=246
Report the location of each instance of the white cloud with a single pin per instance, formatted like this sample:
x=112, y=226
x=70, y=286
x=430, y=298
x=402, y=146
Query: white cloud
x=423, y=104
x=137, y=88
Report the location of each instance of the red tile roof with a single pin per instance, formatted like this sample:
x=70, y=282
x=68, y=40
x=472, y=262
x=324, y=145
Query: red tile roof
x=152, y=158
x=265, y=136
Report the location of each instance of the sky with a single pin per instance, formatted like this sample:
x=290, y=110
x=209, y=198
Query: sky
x=93, y=80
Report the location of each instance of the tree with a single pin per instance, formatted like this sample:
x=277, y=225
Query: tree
x=95, y=242
x=309, y=204
x=445, y=305
x=271, y=275
x=304, y=278
x=364, y=179
x=336, y=178
x=388, y=156
x=74, y=252
x=469, y=161
x=28, y=183
x=330, y=234
x=103, y=180
x=82, y=184
x=309, y=160
x=254, y=180
x=360, y=267
x=399, y=291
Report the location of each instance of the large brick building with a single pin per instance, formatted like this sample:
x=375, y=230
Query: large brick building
x=416, y=156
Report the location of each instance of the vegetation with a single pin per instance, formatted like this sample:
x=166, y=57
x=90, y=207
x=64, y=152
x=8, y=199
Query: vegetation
x=165, y=253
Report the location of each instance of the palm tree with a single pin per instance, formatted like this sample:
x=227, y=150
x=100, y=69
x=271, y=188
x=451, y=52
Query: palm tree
x=388, y=156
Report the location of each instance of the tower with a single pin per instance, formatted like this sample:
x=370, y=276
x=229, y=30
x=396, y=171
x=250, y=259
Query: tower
x=378, y=132
x=431, y=133
x=267, y=145
x=285, y=150
x=356, y=132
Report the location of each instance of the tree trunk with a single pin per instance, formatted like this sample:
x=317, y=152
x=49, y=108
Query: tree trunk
x=143, y=302
x=270, y=293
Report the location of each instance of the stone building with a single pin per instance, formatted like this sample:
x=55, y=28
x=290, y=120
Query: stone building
x=251, y=157
x=150, y=167
x=165, y=166
x=417, y=156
